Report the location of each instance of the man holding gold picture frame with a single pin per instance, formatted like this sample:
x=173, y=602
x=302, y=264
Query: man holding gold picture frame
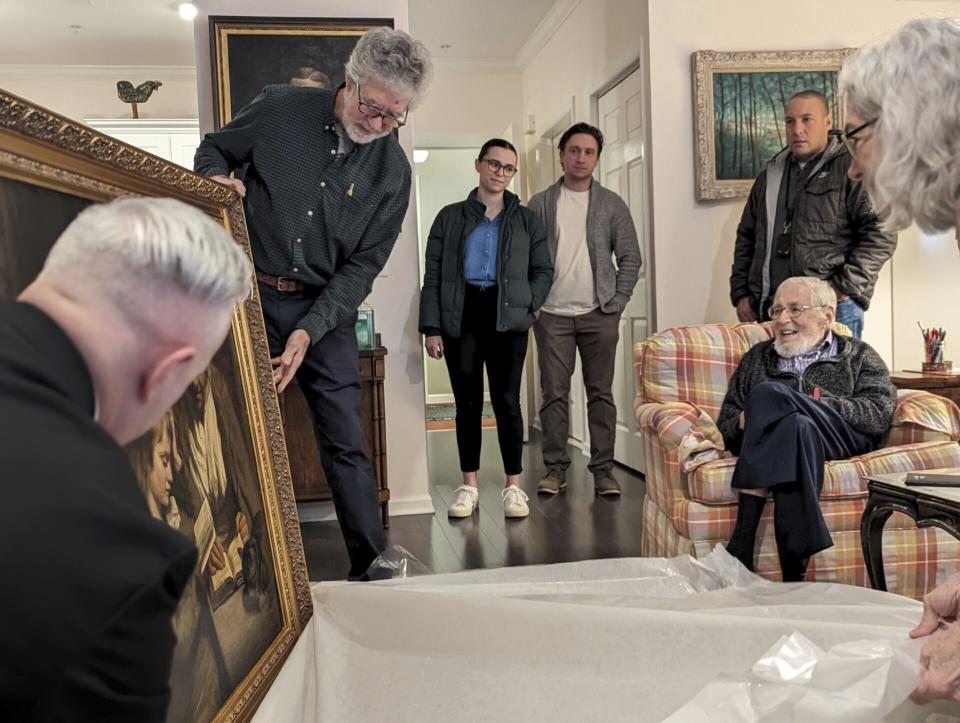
x=326, y=189
x=134, y=299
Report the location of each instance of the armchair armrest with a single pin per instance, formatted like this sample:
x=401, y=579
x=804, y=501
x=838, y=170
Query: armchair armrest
x=682, y=430
x=923, y=417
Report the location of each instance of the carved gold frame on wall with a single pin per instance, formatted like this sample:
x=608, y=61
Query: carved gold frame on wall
x=708, y=62
x=40, y=148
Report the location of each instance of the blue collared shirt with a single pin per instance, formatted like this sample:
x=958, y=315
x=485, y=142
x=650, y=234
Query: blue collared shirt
x=798, y=364
x=480, y=255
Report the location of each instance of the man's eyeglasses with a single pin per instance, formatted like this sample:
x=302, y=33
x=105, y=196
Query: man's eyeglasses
x=372, y=110
x=794, y=311
x=850, y=139
x=496, y=167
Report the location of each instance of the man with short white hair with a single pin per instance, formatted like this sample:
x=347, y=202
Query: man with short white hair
x=326, y=190
x=794, y=402
x=133, y=301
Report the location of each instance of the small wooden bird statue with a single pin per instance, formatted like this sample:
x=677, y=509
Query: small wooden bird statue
x=128, y=94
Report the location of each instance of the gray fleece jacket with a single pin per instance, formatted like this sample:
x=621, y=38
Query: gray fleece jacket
x=610, y=233
x=855, y=383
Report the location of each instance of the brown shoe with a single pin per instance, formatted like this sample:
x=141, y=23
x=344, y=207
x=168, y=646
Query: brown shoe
x=606, y=485
x=553, y=483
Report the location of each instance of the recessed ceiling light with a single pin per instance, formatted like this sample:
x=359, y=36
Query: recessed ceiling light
x=420, y=155
x=76, y=28
x=445, y=46
x=188, y=11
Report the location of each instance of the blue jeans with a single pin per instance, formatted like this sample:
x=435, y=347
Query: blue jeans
x=850, y=313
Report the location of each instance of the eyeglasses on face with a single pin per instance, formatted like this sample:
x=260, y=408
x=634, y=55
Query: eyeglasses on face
x=794, y=311
x=496, y=167
x=372, y=110
x=850, y=139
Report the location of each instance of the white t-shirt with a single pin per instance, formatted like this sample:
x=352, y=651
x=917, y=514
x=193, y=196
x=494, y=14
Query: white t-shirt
x=573, y=292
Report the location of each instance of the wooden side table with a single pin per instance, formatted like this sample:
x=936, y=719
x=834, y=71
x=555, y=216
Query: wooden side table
x=929, y=506
x=309, y=480
x=940, y=383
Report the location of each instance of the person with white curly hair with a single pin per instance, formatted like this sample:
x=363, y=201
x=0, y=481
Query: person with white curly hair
x=325, y=192
x=903, y=130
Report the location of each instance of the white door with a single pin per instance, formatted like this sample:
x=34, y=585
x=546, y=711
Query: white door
x=622, y=171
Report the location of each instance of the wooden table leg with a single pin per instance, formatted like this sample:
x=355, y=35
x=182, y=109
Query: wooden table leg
x=875, y=516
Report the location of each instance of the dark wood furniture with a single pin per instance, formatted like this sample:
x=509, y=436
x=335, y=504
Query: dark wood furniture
x=309, y=480
x=929, y=506
x=940, y=383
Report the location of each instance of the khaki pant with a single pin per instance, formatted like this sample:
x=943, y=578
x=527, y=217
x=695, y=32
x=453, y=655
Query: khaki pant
x=595, y=335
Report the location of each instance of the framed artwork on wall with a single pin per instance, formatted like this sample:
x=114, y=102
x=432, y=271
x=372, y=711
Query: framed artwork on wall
x=249, y=598
x=250, y=53
x=738, y=101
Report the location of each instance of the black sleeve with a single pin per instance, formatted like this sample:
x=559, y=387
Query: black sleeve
x=430, y=323
x=746, y=243
x=224, y=150
x=872, y=244
x=870, y=409
x=541, y=267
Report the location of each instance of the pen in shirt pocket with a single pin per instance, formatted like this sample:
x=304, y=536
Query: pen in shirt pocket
x=350, y=191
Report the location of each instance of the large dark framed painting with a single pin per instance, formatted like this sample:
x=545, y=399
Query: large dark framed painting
x=250, y=53
x=739, y=99
x=215, y=467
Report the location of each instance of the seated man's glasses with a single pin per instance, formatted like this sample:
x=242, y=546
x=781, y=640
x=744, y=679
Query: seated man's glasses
x=850, y=139
x=794, y=311
x=372, y=110
x=497, y=167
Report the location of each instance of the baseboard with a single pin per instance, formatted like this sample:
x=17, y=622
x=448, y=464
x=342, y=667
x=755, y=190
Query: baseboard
x=422, y=505
x=325, y=512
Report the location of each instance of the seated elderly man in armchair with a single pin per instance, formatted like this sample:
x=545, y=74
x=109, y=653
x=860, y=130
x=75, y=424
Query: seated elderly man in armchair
x=804, y=397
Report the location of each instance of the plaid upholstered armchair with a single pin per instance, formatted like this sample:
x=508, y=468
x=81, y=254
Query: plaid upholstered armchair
x=682, y=377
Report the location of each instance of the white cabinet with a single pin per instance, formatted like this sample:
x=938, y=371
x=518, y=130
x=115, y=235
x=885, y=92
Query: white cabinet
x=174, y=140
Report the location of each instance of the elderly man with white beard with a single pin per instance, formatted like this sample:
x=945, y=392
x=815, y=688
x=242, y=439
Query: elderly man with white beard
x=796, y=401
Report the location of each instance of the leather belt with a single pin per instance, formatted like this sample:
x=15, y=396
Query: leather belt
x=280, y=283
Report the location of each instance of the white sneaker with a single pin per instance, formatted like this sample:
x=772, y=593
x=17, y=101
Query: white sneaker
x=465, y=502
x=514, y=502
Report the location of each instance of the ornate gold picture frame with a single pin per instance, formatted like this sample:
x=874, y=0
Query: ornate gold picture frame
x=250, y=53
x=738, y=102
x=50, y=169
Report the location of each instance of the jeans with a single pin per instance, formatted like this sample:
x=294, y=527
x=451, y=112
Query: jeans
x=850, y=313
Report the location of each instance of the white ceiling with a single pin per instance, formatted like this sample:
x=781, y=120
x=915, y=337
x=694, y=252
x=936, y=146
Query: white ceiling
x=150, y=32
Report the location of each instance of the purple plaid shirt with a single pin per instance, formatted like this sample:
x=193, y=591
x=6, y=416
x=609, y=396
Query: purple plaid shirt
x=798, y=364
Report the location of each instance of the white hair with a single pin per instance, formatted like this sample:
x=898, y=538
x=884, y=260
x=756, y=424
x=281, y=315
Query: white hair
x=910, y=84
x=395, y=59
x=134, y=246
x=821, y=292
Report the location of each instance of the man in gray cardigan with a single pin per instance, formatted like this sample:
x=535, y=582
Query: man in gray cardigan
x=794, y=402
x=587, y=226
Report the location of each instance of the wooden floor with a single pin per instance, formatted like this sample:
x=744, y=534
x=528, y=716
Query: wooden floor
x=574, y=525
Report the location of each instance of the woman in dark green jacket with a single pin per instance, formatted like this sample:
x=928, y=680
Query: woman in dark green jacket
x=487, y=271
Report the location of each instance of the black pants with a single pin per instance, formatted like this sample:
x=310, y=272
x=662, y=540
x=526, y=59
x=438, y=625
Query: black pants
x=787, y=439
x=330, y=379
x=502, y=352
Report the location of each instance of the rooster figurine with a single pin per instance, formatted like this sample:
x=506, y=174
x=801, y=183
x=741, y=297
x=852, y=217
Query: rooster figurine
x=128, y=94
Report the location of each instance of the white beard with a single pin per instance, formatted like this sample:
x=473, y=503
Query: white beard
x=798, y=345
x=360, y=135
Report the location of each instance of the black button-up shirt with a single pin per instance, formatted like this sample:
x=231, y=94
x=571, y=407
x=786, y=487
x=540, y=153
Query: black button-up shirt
x=326, y=219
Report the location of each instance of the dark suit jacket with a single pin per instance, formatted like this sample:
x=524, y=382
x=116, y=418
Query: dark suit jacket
x=89, y=579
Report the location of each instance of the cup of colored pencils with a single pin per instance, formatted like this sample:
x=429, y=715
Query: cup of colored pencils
x=933, y=339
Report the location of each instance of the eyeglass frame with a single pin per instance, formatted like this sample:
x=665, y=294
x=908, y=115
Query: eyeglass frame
x=378, y=112
x=496, y=169
x=850, y=140
x=802, y=309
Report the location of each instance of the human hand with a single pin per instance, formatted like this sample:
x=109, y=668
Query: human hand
x=941, y=602
x=743, y=420
x=217, y=559
x=243, y=528
x=434, y=347
x=285, y=366
x=745, y=312
x=941, y=658
x=234, y=184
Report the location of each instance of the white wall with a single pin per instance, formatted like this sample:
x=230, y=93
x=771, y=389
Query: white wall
x=90, y=91
x=685, y=230
x=395, y=296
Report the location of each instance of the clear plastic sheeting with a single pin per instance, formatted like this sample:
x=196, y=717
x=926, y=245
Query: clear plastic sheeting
x=603, y=640
x=857, y=681
x=394, y=563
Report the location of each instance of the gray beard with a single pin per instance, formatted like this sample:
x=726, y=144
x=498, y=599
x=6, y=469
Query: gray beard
x=361, y=137
x=796, y=349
